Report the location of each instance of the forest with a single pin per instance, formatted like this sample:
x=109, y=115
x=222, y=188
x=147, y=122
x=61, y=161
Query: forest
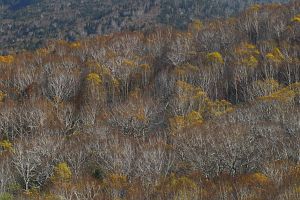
x=209, y=112
x=28, y=24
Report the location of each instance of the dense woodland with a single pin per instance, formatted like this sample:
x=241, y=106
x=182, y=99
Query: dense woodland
x=28, y=24
x=208, y=113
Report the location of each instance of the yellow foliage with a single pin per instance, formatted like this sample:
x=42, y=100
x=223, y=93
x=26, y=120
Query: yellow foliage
x=247, y=53
x=191, y=119
x=105, y=70
x=255, y=7
x=75, y=45
x=296, y=18
x=188, y=94
x=200, y=94
x=275, y=56
x=278, y=53
x=188, y=90
x=2, y=96
x=265, y=87
x=6, y=59
x=140, y=115
x=115, y=82
x=250, y=61
x=62, y=172
x=95, y=78
x=194, y=118
x=286, y=94
x=215, y=57
x=6, y=145
x=270, y=56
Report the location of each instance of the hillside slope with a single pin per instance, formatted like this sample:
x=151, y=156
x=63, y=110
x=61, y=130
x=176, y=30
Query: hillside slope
x=26, y=24
x=210, y=112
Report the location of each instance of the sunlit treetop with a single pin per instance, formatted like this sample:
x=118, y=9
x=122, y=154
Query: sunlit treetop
x=215, y=57
x=275, y=56
x=6, y=59
x=2, y=96
x=95, y=78
x=296, y=18
x=250, y=61
x=189, y=93
x=194, y=118
x=75, y=45
x=179, y=122
x=286, y=94
x=247, y=54
x=6, y=145
x=115, y=82
x=62, y=172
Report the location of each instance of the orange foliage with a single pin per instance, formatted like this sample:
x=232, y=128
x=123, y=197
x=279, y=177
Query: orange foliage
x=6, y=59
